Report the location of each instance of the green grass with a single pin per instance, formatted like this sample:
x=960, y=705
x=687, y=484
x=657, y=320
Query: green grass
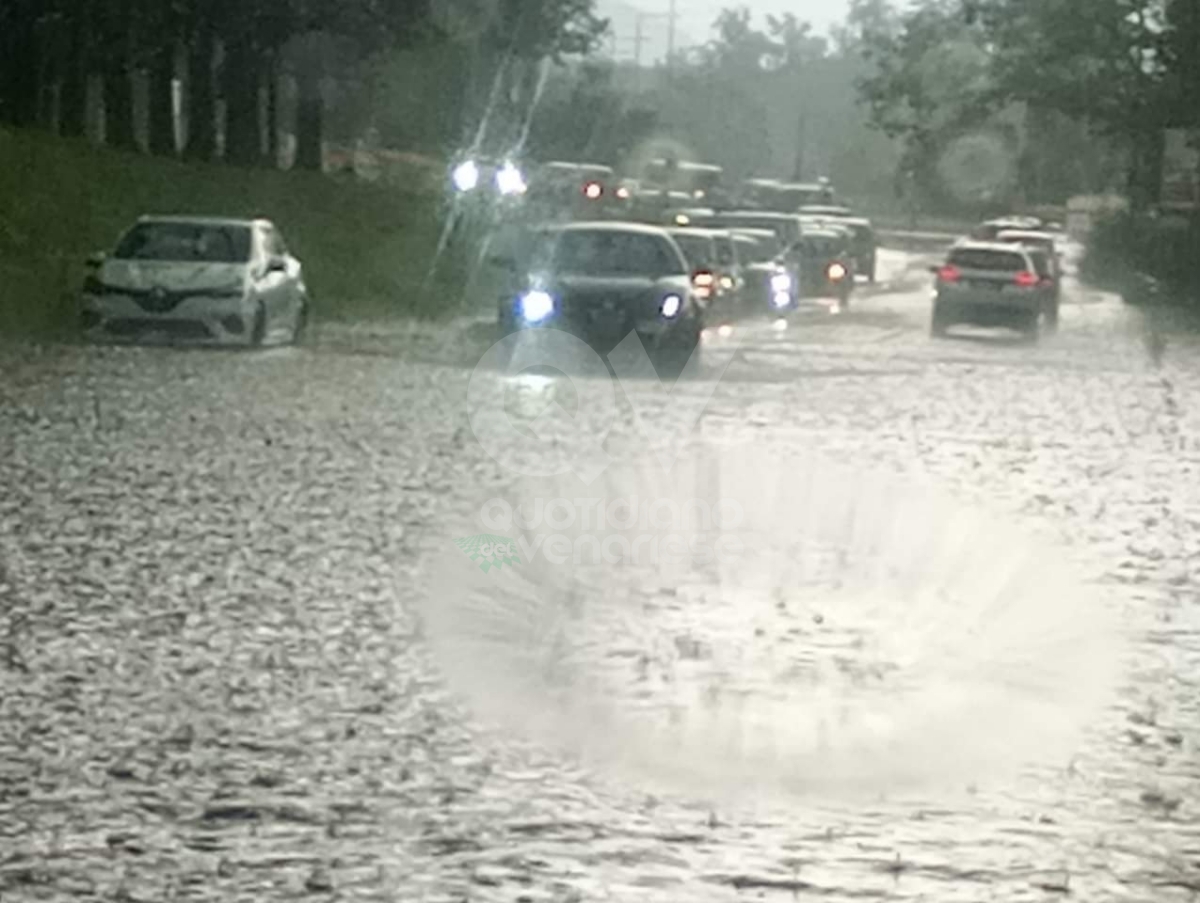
x=367, y=249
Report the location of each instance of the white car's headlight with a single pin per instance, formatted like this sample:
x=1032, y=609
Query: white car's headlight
x=671, y=306
x=781, y=282
x=536, y=306
x=510, y=181
x=466, y=176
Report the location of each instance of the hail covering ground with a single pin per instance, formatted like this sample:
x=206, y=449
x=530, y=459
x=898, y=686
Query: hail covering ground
x=219, y=676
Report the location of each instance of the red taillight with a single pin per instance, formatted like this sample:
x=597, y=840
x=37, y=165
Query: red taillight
x=837, y=272
x=1026, y=279
x=949, y=273
x=703, y=283
x=593, y=190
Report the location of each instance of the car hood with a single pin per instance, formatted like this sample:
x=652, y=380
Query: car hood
x=142, y=275
x=586, y=294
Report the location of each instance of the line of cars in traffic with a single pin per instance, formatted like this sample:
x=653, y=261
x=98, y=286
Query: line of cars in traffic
x=605, y=256
x=1008, y=272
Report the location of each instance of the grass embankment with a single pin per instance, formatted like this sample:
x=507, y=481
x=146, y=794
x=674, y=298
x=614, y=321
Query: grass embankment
x=367, y=249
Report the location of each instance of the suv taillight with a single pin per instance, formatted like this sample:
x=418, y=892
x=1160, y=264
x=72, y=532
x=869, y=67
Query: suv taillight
x=1026, y=279
x=949, y=273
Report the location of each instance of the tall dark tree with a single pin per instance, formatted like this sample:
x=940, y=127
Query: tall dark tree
x=201, y=92
x=74, y=69
x=116, y=54
x=19, y=61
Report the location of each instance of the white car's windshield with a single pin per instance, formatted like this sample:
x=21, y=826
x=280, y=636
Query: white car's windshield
x=186, y=242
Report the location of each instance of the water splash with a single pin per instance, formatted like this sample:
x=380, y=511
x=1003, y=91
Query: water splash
x=852, y=635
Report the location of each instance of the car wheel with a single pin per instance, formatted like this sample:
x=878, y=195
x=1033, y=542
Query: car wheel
x=1033, y=327
x=301, y=326
x=258, y=332
x=1052, y=317
x=938, y=324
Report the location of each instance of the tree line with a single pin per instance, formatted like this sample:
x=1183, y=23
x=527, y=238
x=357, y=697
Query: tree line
x=1105, y=74
x=230, y=57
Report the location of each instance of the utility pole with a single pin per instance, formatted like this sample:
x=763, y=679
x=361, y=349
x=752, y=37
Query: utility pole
x=672, y=15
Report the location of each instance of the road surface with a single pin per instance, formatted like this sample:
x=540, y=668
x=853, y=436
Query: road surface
x=216, y=683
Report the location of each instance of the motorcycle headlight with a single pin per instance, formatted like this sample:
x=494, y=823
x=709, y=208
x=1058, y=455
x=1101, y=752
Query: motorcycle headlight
x=466, y=176
x=671, y=306
x=781, y=300
x=536, y=307
x=781, y=282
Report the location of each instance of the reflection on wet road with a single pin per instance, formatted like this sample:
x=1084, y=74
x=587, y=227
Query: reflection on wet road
x=214, y=682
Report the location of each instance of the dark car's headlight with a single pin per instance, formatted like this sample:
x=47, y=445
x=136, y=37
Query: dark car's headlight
x=671, y=306
x=535, y=306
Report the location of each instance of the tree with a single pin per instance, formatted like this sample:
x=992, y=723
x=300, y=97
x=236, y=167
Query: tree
x=1101, y=61
x=931, y=85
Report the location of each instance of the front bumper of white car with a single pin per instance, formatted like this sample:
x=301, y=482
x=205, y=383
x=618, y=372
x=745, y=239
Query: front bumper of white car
x=199, y=318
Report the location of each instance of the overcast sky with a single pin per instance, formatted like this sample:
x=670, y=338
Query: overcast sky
x=696, y=18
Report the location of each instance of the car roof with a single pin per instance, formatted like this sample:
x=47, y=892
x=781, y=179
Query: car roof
x=824, y=233
x=205, y=220
x=755, y=234
x=814, y=208
x=756, y=214
x=615, y=227
x=697, y=232
x=1027, y=233
x=998, y=246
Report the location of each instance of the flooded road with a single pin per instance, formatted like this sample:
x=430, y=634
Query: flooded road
x=216, y=683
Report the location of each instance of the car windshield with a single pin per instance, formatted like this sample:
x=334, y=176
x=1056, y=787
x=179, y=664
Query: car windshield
x=759, y=248
x=698, y=249
x=190, y=242
x=614, y=253
x=987, y=259
x=821, y=246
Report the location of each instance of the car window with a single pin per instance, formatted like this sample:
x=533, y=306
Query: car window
x=191, y=242
x=987, y=259
x=1041, y=264
x=698, y=249
x=820, y=246
x=613, y=253
x=759, y=249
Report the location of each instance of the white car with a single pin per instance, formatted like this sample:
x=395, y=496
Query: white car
x=201, y=279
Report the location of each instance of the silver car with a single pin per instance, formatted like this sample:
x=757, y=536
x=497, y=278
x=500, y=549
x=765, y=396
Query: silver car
x=198, y=279
x=994, y=284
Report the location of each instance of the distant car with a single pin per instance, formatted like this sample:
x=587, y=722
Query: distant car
x=994, y=284
x=826, y=210
x=1044, y=241
x=864, y=246
x=786, y=197
x=563, y=191
x=827, y=264
x=714, y=281
x=988, y=231
x=785, y=225
x=768, y=285
x=602, y=280
x=200, y=279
